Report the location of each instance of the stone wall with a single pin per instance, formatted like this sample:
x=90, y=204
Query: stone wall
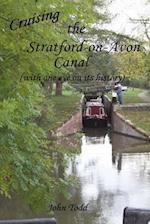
x=73, y=125
x=108, y=106
x=123, y=126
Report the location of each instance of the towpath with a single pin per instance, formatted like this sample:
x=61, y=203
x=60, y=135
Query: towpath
x=144, y=96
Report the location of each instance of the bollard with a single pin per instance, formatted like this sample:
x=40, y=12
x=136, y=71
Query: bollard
x=136, y=216
x=29, y=221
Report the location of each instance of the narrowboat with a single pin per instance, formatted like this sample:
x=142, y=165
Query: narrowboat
x=93, y=113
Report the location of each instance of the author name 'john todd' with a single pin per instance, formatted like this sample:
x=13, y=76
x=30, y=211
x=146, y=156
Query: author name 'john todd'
x=70, y=207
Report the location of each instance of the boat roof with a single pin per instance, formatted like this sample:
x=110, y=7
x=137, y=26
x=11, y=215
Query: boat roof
x=94, y=103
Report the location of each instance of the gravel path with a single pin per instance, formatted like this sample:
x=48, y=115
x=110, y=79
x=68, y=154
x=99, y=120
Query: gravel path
x=144, y=96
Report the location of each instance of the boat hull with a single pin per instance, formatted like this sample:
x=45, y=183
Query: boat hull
x=94, y=122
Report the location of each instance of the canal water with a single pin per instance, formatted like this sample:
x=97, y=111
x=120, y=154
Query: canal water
x=112, y=172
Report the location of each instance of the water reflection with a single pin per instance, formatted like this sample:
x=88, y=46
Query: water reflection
x=111, y=179
x=111, y=175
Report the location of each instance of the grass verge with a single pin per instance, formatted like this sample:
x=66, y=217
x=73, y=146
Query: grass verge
x=131, y=96
x=64, y=106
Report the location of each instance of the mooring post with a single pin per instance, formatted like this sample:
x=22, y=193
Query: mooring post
x=136, y=216
x=29, y=221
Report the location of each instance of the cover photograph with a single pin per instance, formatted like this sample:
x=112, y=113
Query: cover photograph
x=75, y=111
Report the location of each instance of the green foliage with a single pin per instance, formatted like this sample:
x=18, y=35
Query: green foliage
x=131, y=65
x=26, y=157
x=21, y=139
x=15, y=43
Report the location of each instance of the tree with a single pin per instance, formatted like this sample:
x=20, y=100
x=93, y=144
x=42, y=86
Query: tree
x=143, y=28
x=131, y=65
x=24, y=152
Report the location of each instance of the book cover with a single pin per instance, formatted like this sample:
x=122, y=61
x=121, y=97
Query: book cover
x=75, y=111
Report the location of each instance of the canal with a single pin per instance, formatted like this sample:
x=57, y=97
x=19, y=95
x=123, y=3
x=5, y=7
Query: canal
x=112, y=172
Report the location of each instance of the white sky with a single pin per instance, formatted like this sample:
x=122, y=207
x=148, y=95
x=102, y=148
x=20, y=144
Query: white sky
x=125, y=9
